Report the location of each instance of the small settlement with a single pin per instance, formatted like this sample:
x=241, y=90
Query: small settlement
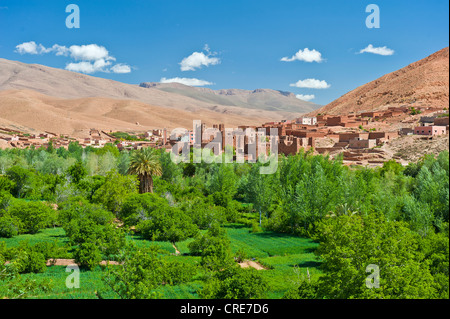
x=358, y=137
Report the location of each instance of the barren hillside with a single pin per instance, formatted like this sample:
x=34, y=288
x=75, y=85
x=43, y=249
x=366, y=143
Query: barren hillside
x=30, y=111
x=262, y=99
x=70, y=85
x=425, y=82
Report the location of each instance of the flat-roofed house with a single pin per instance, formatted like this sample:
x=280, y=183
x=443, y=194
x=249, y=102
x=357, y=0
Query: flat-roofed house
x=430, y=130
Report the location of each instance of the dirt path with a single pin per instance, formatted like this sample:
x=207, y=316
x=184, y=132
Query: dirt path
x=253, y=264
x=68, y=262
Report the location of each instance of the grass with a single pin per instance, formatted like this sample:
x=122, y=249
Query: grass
x=267, y=243
x=56, y=234
x=287, y=258
x=90, y=282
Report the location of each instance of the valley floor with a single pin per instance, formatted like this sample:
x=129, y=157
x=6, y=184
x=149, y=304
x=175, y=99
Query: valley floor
x=285, y=258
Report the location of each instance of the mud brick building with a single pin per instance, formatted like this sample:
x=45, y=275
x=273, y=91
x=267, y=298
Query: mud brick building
x=347, y=136
x=430, y=130
x=373, y=114
x=441, y=121
x=337, y=120
x=357, y=143
x=383, y=136
x=306, y=133
x=290, y=145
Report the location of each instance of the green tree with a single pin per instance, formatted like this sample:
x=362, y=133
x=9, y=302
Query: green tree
x=214, y=248
x=349, y=244
x=142, y=271
x=115, y=190
x=145, y=164
x=22, y=178
x=88, y=255
x=167, y=223
x=32, y=216
x=258, y=191
x=9, y=226
x=235, y=283
x=77, y=172
x=138, y=207
x=222, y=184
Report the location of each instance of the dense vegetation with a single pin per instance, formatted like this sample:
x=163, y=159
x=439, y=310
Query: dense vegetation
x=315, y=225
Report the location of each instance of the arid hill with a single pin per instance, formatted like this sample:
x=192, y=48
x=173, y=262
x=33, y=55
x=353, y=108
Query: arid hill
x=30, y=111
x=423, y=83
x=268, y=104
x=261, y=99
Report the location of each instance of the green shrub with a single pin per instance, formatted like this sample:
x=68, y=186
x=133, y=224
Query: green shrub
x=168, y=224
x=139, y=206
x=29, y=261
x=175, y=272
x=9, y=226
x=307, y=289
x=214, y=247
x=80, y=208
x=255, y=228
x=33, y=216
x=142, y=271
x=204, y=213
x=235, y=283
x=6, y=184
x=241, y=255
x=115, y=190
x=88, y=255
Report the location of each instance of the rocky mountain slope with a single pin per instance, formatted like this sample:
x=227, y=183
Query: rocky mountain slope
x=425, y=82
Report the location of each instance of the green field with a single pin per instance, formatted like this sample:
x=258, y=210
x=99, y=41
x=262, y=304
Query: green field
x=286, y=257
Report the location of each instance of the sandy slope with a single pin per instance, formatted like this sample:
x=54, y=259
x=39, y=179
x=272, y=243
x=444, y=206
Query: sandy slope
x=72, y=85
x=29, y=110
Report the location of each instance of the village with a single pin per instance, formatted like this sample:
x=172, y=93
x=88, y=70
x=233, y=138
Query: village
x=359, y=137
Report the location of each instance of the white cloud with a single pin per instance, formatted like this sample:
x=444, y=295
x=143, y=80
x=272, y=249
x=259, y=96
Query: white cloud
x=307, y=97
x=90, y=67
x=198, y=59
x=305, y=55
x=83, y=67
x=380, y=50
x=27, y=48
x=311, y=84
x=186, y=81
x=121, y=68
x=59, y=50
x=92, y=57
x=33, y=48
x=90, y=52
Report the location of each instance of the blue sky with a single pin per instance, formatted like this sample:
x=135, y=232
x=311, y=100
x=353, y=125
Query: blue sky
x=245, y=39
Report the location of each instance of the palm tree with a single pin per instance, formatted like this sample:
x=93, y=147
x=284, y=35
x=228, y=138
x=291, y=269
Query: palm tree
x=145, y=163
